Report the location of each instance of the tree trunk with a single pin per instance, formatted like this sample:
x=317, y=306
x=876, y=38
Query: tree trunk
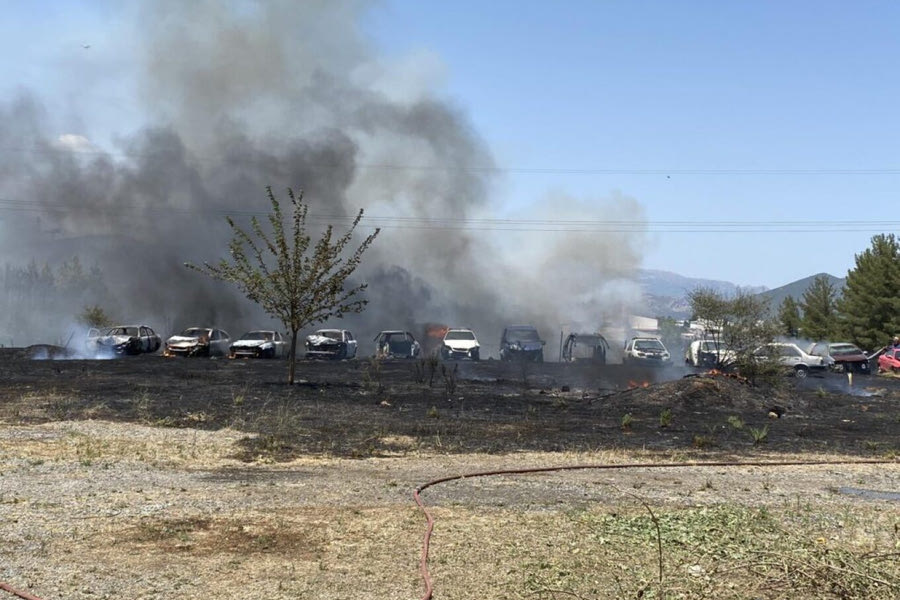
x=293, y=356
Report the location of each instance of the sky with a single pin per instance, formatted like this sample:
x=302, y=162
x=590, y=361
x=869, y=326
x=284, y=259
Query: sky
x=758, y=139
x=738, y=89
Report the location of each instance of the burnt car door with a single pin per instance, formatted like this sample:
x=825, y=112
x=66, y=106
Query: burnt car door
x=218, y=343
x=350, y=345
x=154, y=340
x=280, y=345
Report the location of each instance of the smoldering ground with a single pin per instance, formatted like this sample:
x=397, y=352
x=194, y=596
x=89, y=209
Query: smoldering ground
x=235, y=97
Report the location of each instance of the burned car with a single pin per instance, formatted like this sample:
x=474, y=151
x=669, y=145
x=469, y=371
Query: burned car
x=258, y=344
x=647, y=351
x=123, y=339
x=460, y=343
x=847, y=357
x=793, y=358
x=331, y=343
x=396, y=344
x=709, y=353
x=199, y=341
x=521, y=342
x=585, y=347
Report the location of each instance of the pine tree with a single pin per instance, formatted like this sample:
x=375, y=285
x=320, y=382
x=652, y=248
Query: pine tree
x=789, y=317
x=819, y=310
x=870, y=306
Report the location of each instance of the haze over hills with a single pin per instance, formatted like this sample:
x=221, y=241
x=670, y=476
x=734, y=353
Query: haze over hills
x=665, y=293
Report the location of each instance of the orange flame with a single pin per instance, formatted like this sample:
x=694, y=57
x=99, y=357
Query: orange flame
x=638, y=384
x=436, y=331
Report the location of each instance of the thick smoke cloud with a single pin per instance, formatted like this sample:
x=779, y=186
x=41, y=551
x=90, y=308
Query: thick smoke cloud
x=243, y=96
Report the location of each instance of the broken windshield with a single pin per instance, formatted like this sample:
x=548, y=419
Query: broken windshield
x=196, y=332
x=522, y=335
x=648, y=345
x=459, y=335
x=129, y=331
x=257, y=335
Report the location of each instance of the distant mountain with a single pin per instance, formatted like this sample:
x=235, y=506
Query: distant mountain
x=796, y=289
x=665, y=283
x=665, y=293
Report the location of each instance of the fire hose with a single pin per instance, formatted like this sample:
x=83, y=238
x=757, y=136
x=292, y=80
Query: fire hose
x=429, y=519
x=15, y=592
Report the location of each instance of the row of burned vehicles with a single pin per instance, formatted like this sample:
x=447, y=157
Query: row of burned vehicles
x=193, y=341
x=210, y=341
x=519, y=341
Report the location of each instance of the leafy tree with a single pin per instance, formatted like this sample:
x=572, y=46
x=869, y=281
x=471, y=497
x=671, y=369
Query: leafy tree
x=869, y=308
x=819, y=310
x=95, y=316
x=741, y=324
x=296, y=282
x=789, y=317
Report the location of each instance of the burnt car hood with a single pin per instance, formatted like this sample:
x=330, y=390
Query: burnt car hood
x=526, y=346
x=183, y=341
x=113, y=340
x=250, y=343
x=321, y=340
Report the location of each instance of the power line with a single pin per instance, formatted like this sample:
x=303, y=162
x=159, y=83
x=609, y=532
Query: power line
x=488, y=169
x=496, y=224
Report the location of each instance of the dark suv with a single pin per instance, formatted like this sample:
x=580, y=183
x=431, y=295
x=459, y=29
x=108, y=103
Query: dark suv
x=521, y=342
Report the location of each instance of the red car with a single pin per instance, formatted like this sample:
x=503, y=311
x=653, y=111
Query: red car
x=890, y=360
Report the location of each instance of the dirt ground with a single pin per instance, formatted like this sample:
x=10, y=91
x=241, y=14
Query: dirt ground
x=148, y=477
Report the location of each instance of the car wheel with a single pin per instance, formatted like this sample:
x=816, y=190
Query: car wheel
x=476, y=355
x=801, y=371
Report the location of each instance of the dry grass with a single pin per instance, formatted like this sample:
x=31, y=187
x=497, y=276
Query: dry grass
x=158, y=512
x=724, y=551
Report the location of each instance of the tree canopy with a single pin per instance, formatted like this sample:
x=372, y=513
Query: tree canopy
x=789, y=317
x=740, y=323
x=819, y=321
x=292, y=279
x=869, y=308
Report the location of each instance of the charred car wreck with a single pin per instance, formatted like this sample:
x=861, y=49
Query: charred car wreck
x=521, y=342
x=336, y=344
x=123, y=339
x=258, y=344
x=585, y=347
x=396, y=344
x=198, y=341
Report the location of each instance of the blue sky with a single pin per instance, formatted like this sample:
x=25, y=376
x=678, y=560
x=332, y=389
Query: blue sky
x=738, y=88
x=705, y=99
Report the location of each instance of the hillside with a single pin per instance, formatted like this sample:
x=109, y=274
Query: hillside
x=665, y=293
x=796, y=289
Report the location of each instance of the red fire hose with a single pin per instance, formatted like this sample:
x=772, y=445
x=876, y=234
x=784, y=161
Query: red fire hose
x=15, y=592
x=429, y=528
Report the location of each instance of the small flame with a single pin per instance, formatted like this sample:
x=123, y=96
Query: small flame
x=632, y=385
x=436, y=331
